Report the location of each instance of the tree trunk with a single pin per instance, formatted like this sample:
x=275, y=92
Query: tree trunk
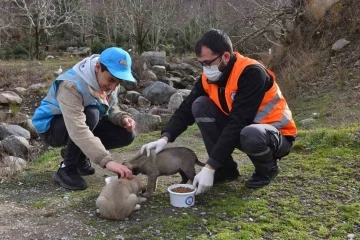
x=37, y=42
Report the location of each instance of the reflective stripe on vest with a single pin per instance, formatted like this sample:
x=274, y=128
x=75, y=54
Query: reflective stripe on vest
x=273, y=109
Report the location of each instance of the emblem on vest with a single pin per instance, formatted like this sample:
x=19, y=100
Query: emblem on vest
x=123, y=62
x=232, y=95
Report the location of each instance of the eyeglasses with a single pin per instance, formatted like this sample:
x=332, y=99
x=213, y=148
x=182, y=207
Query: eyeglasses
x=207, y=63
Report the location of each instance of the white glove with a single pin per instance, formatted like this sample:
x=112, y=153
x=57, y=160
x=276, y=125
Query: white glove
x=158, y=145
x=204, y=179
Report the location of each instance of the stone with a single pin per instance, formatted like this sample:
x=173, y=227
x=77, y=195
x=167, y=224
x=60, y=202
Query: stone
x=9, y=129
x=9, y=97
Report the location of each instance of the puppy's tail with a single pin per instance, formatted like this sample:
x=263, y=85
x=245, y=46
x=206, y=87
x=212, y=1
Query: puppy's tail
x=197, y=162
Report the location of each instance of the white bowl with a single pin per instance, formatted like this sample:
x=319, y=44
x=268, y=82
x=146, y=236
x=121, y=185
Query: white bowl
x=182, y=199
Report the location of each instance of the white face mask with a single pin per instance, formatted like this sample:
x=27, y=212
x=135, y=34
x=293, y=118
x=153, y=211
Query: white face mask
x=212, y=72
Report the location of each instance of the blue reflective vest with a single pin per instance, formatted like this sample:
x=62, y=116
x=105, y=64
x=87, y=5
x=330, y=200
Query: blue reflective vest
x=49, y=107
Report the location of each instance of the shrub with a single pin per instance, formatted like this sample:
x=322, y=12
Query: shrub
x=97, y=47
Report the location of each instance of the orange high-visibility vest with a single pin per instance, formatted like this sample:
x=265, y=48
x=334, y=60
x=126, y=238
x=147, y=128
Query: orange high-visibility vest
x=273, y=109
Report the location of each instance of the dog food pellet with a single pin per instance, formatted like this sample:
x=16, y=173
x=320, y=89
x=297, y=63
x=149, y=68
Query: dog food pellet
x=182, y=189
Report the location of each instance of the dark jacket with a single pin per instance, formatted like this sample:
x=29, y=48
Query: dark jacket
x=252, y=85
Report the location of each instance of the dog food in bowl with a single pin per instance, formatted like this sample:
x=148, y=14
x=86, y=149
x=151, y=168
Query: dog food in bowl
x=182, y=195
x=182, y=190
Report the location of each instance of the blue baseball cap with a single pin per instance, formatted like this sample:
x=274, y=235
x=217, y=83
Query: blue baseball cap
x=118, y=62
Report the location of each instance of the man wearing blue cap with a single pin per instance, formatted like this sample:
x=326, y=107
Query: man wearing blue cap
x=81, y=111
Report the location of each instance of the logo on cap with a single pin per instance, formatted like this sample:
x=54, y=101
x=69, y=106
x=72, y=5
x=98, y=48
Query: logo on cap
x=123, y=62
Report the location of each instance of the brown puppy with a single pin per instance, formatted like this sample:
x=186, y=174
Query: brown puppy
x=118, y=199
x=167, y=162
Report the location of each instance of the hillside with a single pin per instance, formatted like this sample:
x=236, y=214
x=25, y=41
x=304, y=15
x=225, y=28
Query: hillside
x=315, y=78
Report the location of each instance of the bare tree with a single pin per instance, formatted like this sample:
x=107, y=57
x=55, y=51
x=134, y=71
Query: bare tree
x=44, y=16
x=6, y=22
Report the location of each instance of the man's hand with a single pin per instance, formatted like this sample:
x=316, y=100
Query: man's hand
x=129, y=124
x=204, y=179
x=159, y=145
x=119, y=169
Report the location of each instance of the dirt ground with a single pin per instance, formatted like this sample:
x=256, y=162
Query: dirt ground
x=34, y=207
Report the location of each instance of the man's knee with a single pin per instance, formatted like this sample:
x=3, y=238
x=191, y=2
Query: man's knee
x=199, y=105
x=92, y=117
x=252, y=140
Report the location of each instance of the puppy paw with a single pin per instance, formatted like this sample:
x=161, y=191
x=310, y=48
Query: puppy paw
x=146, y=194
x=142, y=199
x=137, y=207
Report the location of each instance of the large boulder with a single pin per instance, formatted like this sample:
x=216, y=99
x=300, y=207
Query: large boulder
x=183, y=67
x=8, y=130
x=158, y=92
x=155, y=58
x=9, y=97
x=145, y=122
x=16, y=146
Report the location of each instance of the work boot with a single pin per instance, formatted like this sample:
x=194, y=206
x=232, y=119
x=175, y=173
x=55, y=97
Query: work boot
x=83, y=165
x=263, y=175
x=69, y=178
x=227, y=173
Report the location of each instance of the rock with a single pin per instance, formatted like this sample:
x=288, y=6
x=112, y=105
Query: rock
x=10, y=165
x=166, y=80
x=71, y=49
x=9, y=97
x=155, y=58
x=129, y=85
x=123, y=107
x=184, y=92
x=17, y=146
x=37, y=86
x=49, y=58
x=132, y=96
x=20, y=89
x=357, y=64
x=27, y=124
x=160, y=111
x=7, y=130
x=351, y=236
x=149, y=75
x=175, y=100
x=189, y=80
x=158, y=92
x=145, y=121
x=143, y=102
x=339, y=44
x=145, y=84
x=178, y=83
x=176, y=74
x=132, y=111
x=122, y=89
x=306, y=121
x=159, y=70
x=184, y=67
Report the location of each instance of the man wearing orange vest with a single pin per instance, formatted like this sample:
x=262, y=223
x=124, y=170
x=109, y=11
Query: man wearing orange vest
x=236, y=103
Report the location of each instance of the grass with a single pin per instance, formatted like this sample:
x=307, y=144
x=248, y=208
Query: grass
x=315, y=197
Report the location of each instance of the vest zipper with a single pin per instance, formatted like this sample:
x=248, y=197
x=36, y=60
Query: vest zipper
x=222, y=99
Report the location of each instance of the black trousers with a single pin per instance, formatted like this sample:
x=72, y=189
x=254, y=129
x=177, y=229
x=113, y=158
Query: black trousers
x=111, y=135
x=263, y=143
